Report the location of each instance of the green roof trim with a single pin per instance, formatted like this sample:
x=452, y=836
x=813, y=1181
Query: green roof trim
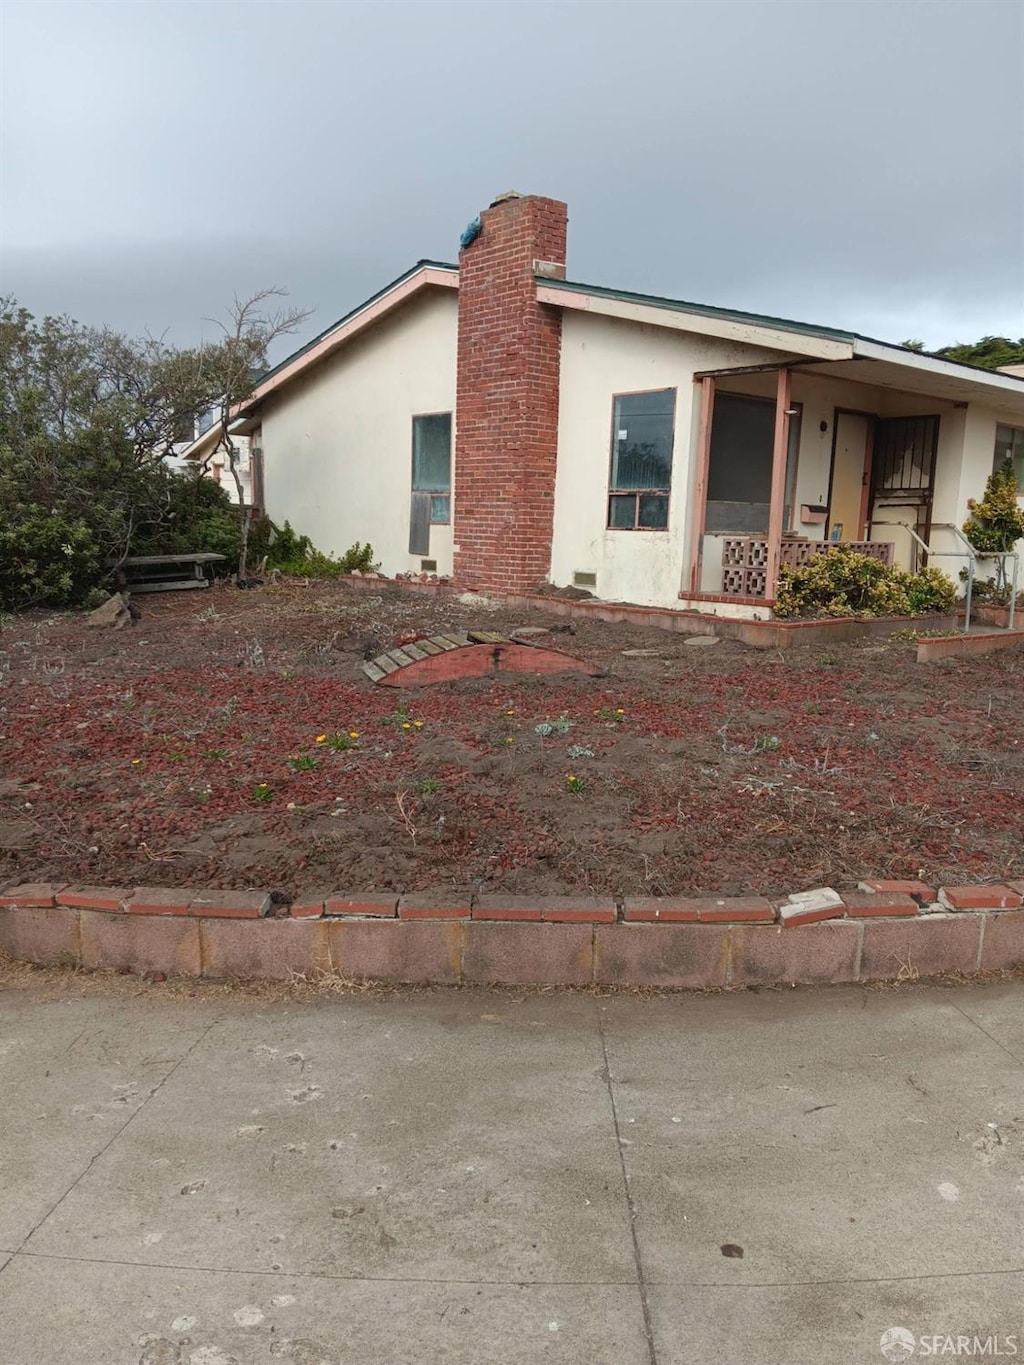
x=354, y=312
x=760, y=320
x=700, y=309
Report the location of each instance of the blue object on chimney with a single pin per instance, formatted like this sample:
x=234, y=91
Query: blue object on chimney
x=471, y=233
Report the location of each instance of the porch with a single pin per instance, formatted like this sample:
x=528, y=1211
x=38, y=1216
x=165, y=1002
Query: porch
x=800, y=459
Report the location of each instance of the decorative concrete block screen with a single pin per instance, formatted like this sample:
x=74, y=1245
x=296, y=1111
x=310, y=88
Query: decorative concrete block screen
x=745, y=559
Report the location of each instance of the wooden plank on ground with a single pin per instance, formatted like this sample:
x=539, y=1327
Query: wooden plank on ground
x=373, y=672
x=414, y=651
x=429, y=647
x=485, y=637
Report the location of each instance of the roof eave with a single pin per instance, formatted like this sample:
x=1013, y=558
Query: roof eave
x=866, y=349
x=773, y=334
x=424, y=275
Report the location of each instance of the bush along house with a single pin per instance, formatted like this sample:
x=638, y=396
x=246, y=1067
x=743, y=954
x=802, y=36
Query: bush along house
x=499, y=423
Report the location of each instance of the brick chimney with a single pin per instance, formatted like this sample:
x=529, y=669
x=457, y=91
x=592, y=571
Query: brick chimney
x=506, y=418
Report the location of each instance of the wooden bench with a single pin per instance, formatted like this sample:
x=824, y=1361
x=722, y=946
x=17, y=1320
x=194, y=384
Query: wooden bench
x=166, y=573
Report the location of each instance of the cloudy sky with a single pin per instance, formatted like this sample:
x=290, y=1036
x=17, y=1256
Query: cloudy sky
x=853, y=162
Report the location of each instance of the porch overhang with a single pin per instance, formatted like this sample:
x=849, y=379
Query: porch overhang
x=890, y=367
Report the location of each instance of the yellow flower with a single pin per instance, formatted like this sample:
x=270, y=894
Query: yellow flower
x=418, y=724
x=570, y=777
x=136, y=762
x=510, y=712
x=620, y=710
x=321, y=739
x=406, y=725
x=353, y=734
x=510, y=740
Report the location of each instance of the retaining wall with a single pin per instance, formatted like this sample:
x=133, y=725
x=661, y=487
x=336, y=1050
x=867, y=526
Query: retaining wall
x=884, y=931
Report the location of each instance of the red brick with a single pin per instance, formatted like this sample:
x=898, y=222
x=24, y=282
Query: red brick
x=735, y=910
x=978, y=898
x=271, y=949
x=681, y=956
x=231, y=904
x=529, y=954
x=664, y=909
x=143, y=943
x=159, y=900
x=890, y=903
x=507, y=398
x=1002, y=943
x=110, y=898
x=32, y=894
x=577, y=910
x=898, y=888
x=40, y=934
x=431, y=905
x=417, y=952
x=306, y=907
x=926, y=946
x=795, y=916
x=815, y=954
x=507, y=907
x=384, y=904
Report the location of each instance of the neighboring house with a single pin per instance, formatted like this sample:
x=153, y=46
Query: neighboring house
x=204, y=446
x=499, y=423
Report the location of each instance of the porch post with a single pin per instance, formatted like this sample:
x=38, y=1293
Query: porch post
x=776, y=513
x=700, y=494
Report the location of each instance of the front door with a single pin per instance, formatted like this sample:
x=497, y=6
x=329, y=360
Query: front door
x=850, y=454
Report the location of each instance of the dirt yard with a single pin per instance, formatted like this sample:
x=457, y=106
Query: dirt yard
x=231, y=739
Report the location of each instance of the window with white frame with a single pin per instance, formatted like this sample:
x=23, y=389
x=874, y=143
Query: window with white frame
x=643, y=426
x=432, y=463
x=1010, y=446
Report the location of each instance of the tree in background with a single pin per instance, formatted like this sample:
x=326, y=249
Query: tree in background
x=87, y=417
x=251, y=330
x=990, y=353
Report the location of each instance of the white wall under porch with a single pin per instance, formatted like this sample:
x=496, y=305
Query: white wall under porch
x=603, y=357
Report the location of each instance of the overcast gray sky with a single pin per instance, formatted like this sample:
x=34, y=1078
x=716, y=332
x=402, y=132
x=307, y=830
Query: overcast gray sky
x=853, y=162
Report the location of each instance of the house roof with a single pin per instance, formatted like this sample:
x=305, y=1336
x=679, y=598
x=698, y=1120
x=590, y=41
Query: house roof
x=809, y=341
x=423, y=274
x=859, y=346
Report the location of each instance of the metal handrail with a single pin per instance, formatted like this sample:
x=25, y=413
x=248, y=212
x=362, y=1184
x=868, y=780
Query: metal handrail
x=971, y=555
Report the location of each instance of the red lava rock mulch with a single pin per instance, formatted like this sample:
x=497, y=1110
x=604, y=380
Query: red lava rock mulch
x=231, y=740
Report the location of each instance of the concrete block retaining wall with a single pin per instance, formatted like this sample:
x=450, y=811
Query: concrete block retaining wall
x=884, y=931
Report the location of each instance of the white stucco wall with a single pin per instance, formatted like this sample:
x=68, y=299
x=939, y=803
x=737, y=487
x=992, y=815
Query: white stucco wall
x=602, y=357
x=337, y=444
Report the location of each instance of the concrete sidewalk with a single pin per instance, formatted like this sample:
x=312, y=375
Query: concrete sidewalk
x=200, y=1177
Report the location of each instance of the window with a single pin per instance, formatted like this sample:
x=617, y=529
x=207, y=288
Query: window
x=432, y=463
x=1010, y=446
x=641, y=475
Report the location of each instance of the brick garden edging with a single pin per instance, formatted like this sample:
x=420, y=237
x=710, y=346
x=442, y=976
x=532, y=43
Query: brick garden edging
x=885, y=930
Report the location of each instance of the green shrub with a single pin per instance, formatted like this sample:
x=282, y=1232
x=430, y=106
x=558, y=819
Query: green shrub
x=295, y=555
x=844, y=583
x=46, y=558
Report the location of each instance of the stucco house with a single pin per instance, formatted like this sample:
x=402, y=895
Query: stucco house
x=500, y=423
x=205, y=447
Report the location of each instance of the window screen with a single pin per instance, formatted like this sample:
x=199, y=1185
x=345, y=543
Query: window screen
x=432, y=462
x=641, y=467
